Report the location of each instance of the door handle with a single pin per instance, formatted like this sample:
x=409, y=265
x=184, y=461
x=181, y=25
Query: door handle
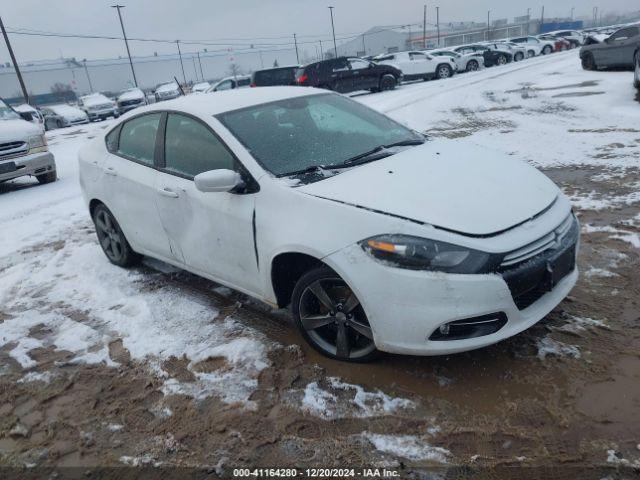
x=110, y=171
x=167, y=192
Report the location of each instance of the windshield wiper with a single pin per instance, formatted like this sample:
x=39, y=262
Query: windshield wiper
x=310, y=169
x=358, y=159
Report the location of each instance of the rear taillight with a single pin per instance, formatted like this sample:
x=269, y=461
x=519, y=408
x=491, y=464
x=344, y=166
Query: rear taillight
x=252, y=85
x=302, y=79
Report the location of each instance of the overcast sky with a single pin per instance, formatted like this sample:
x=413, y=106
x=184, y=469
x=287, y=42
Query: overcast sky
x=225, y=19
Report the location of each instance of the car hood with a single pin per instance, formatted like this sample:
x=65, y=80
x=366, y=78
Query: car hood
x=470, y=190
x=18, y=129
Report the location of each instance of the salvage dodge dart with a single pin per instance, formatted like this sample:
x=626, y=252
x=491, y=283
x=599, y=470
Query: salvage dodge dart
x=378, y=239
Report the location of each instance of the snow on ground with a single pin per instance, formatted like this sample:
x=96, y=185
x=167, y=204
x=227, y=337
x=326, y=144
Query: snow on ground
x=408, y=446
x=547, y=110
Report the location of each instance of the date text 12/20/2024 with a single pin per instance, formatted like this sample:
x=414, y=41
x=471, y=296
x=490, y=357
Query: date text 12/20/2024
x=315, y=473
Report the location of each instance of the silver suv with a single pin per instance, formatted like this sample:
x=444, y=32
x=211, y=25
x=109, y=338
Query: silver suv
x=23, y=148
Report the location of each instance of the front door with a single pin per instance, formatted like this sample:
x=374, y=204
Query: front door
x=214, y=231
x=363, y=75
x=129, y=180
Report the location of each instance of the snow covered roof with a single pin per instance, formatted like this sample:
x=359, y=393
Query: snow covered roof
x=63, y=109
x=133, y=94
x=167, y=87
x=235, y=99
x=25, y=107
x=95, y=99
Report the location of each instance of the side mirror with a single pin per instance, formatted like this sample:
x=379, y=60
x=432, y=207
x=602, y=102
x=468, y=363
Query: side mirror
x=28, y=116
x=221, y=180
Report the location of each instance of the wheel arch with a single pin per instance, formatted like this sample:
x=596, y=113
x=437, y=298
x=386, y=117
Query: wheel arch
x=286, y=269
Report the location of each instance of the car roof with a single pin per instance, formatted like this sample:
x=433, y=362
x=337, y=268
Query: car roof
x=229, y=100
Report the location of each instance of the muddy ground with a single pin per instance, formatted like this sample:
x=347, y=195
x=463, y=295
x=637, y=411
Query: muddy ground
x=503, y=406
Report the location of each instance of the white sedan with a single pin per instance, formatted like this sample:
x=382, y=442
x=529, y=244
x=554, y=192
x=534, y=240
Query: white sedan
x=297, y=196
x=534, y=45
x=419, y=65
x=467, y=62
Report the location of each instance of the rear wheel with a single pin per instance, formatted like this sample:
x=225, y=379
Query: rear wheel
x=59, y=124
x=112, y=240
x=636, y=74
x=547, y=50
x=47, y=177
x=472, y=66
x=531, y=54
x=388, y=82
x=444, y=71
x=501, y=60
x=331, y=318
x=588, y=62
x=519, y=56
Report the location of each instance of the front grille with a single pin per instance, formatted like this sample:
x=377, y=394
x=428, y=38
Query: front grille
x=13, y=149
x=541, y=264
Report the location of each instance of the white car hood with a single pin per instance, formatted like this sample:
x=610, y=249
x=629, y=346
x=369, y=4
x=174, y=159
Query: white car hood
x=474, y=191
x=18, y=129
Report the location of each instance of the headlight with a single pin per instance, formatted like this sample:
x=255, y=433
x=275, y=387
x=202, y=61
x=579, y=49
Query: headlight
x=417, y=253
x=37, y=143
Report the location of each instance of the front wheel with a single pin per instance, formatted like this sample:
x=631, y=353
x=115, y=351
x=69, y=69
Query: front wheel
x=501, y=60
x=112, y=240
x=519, y=56
x=636, y=74
x=444, y=71
x=531, y=54
x=388, y=82
x=331, y=318
x=547, y=50
x=588, y=62
x=472, y=66
x=47, y=177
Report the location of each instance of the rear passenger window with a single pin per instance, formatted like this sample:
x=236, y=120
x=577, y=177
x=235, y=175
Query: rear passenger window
x=191, y=148
x=138, y=138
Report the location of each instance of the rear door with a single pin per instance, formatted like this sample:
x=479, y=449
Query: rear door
x=129, y=182
x=623, y=46
x=423, y=64
x=363, y=75
x=212, y=231
x=341, y=79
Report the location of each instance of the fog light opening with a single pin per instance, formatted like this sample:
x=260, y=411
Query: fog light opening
x=470, y=327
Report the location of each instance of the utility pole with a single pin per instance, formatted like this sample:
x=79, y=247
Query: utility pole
x=86, y=70
x=333, y=29
x=542, y=18
x=200, y=63
x=424, y=29
x=488, y=24
x=364, y=47
x=15, y=63
x=126, y=42
x=438, y=23
x=296, y=44
x=321, y=51
x=528, y=20
x=261, y=60
x=181, y=64
x=573, y=9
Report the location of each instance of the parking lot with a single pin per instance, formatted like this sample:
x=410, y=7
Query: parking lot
x=157, y=367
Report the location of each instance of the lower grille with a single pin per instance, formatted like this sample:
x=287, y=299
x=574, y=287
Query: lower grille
x=528, y=281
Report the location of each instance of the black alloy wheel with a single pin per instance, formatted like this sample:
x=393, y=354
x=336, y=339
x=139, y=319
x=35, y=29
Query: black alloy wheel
x=331, y=318
x=588, y=62
x=501, y=60
x=47, y=177
x=112, y=240
x=472, y=66
x=388, y=82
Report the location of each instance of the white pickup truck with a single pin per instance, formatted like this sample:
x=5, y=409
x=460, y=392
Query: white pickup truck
x=23, y=148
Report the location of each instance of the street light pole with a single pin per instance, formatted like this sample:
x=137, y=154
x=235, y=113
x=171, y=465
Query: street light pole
x=321, y=51
x=181, y=64
x=572, y=10
x=438, y=23
x=333, y=29
x=424, y=29
x=126, y=42
x=295, y=41
x=528, y=19
x=86, y=70
x=488, y=24
x=200, y=63
x=15, y=63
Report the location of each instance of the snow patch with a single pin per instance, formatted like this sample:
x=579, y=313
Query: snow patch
x=548, y=346
x=407, y=446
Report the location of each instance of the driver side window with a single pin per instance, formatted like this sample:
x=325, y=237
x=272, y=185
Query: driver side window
x=191, y=148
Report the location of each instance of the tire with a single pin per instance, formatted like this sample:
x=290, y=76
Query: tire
x=636, y=71
x=501, y=60
x=59, y=124
x=443, y=72
x=472, y=66
x=531, y=53
x=518, y=57
x=112, y=240
x=588, y=62
x=48, y=177
x=388, y=82
x=547, y=50
x=330, y=317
